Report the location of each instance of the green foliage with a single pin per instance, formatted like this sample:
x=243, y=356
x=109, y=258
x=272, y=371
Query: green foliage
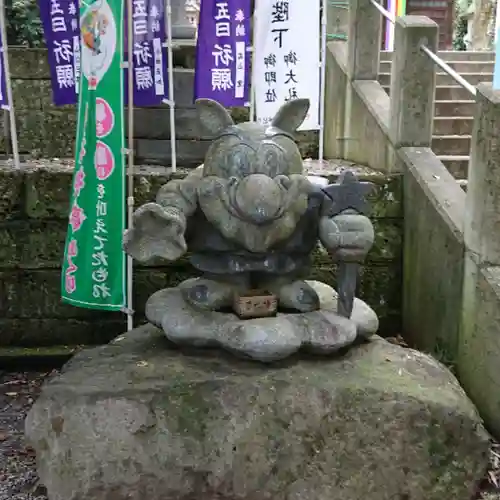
x=442, y=353
x=460, y=32
x=23, y=24
x=460, y=24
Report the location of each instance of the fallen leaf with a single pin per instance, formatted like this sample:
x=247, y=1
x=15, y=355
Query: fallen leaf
x=11, y=382
x=11, y=394
x=493, y=479
x=28, y=451
x=142, y=363
x=3, y=437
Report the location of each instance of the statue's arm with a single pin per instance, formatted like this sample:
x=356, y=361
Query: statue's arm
x=158, y=228
x=348, y=236
x=181, y=194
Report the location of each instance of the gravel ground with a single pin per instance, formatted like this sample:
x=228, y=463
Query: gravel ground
x=18, y=478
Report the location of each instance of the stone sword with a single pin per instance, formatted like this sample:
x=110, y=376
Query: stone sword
x=347, y=196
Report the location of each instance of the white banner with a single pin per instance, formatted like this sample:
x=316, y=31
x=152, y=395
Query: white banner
x=286, y=60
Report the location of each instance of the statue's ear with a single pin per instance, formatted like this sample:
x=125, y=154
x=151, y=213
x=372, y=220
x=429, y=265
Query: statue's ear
x=213, y=116
x=291, y=115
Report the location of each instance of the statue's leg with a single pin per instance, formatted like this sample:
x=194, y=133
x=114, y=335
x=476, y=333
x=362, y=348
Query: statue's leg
x=213, y=292
x=292, y=292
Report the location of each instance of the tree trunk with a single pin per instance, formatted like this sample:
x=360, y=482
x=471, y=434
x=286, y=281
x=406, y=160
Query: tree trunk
x=483, y=24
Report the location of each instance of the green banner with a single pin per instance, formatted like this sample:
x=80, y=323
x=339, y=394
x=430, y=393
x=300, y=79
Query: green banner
x=94, y=272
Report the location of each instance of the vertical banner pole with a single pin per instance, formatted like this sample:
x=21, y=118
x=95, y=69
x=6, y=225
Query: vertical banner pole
x=12, y=116
x=253, y=73
x=130, y=158
x=322, y=82
x=252, y=88
x=171, y=100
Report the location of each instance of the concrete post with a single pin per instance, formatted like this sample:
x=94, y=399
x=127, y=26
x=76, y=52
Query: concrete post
x=363, y=39
x=413, y=82
x=482, y=212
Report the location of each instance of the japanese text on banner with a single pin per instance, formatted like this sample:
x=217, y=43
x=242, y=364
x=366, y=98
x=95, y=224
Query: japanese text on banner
x=149, y=56
x=222, y=59
x=60, y=20
x=93, y=274
x=287, y=63
x=61, y=24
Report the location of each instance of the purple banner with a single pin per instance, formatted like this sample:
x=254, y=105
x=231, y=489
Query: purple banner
x=4, y=98
x=61, y=24
x=149, y=56
x=222, y=56
x=60, y=20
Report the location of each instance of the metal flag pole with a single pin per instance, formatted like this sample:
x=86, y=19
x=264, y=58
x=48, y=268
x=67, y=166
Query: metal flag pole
x=130, y=159
x=251, y=54
x=170, y=71
x=322, y=81
x=12, y=116
x=253, y=73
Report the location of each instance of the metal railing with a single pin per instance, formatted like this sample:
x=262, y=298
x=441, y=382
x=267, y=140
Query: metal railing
x=448, y=69
x=434, y=57
x=383, y=11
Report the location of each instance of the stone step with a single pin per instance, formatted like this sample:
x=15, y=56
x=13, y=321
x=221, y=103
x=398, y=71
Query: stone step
x=445, y=79
x=446, y=92
x=451, y=145
x=459, y=66
x=455, y=108
x=457, y=165
x=452, y=55
x=452, y=92
x=453, y=125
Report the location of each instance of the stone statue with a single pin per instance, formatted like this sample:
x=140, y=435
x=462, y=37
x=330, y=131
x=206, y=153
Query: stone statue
x=250, y=221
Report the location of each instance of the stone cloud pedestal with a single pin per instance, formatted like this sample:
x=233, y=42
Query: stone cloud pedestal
x=140, y=420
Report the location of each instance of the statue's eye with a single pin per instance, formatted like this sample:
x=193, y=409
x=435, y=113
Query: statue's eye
x=271, y=160
x=239, y=160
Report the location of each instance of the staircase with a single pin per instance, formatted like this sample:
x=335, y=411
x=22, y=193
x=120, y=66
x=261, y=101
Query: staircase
x=454, y=111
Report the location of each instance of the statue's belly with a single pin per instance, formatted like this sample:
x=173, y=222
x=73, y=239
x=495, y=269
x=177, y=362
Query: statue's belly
x=212, y=253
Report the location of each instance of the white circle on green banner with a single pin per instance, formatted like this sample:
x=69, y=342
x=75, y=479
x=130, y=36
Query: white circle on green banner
x=98, y=33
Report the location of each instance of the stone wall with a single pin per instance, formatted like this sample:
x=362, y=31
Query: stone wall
x=33, y=211
x=433, y=254
x=45, y=130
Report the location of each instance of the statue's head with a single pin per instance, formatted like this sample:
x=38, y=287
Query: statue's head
x=250, y=148
x=255, y=168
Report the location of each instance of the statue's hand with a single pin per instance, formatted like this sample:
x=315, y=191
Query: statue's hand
x=156, y=232
x=348, y=237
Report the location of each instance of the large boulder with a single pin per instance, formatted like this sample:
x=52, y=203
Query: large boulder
x=138, y=419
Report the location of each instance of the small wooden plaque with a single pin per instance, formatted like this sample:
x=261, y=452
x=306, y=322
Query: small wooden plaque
x=255, y=304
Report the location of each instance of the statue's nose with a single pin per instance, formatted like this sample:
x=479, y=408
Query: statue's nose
x=258, y=198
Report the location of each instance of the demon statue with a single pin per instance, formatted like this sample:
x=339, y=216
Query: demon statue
x=250, y=220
